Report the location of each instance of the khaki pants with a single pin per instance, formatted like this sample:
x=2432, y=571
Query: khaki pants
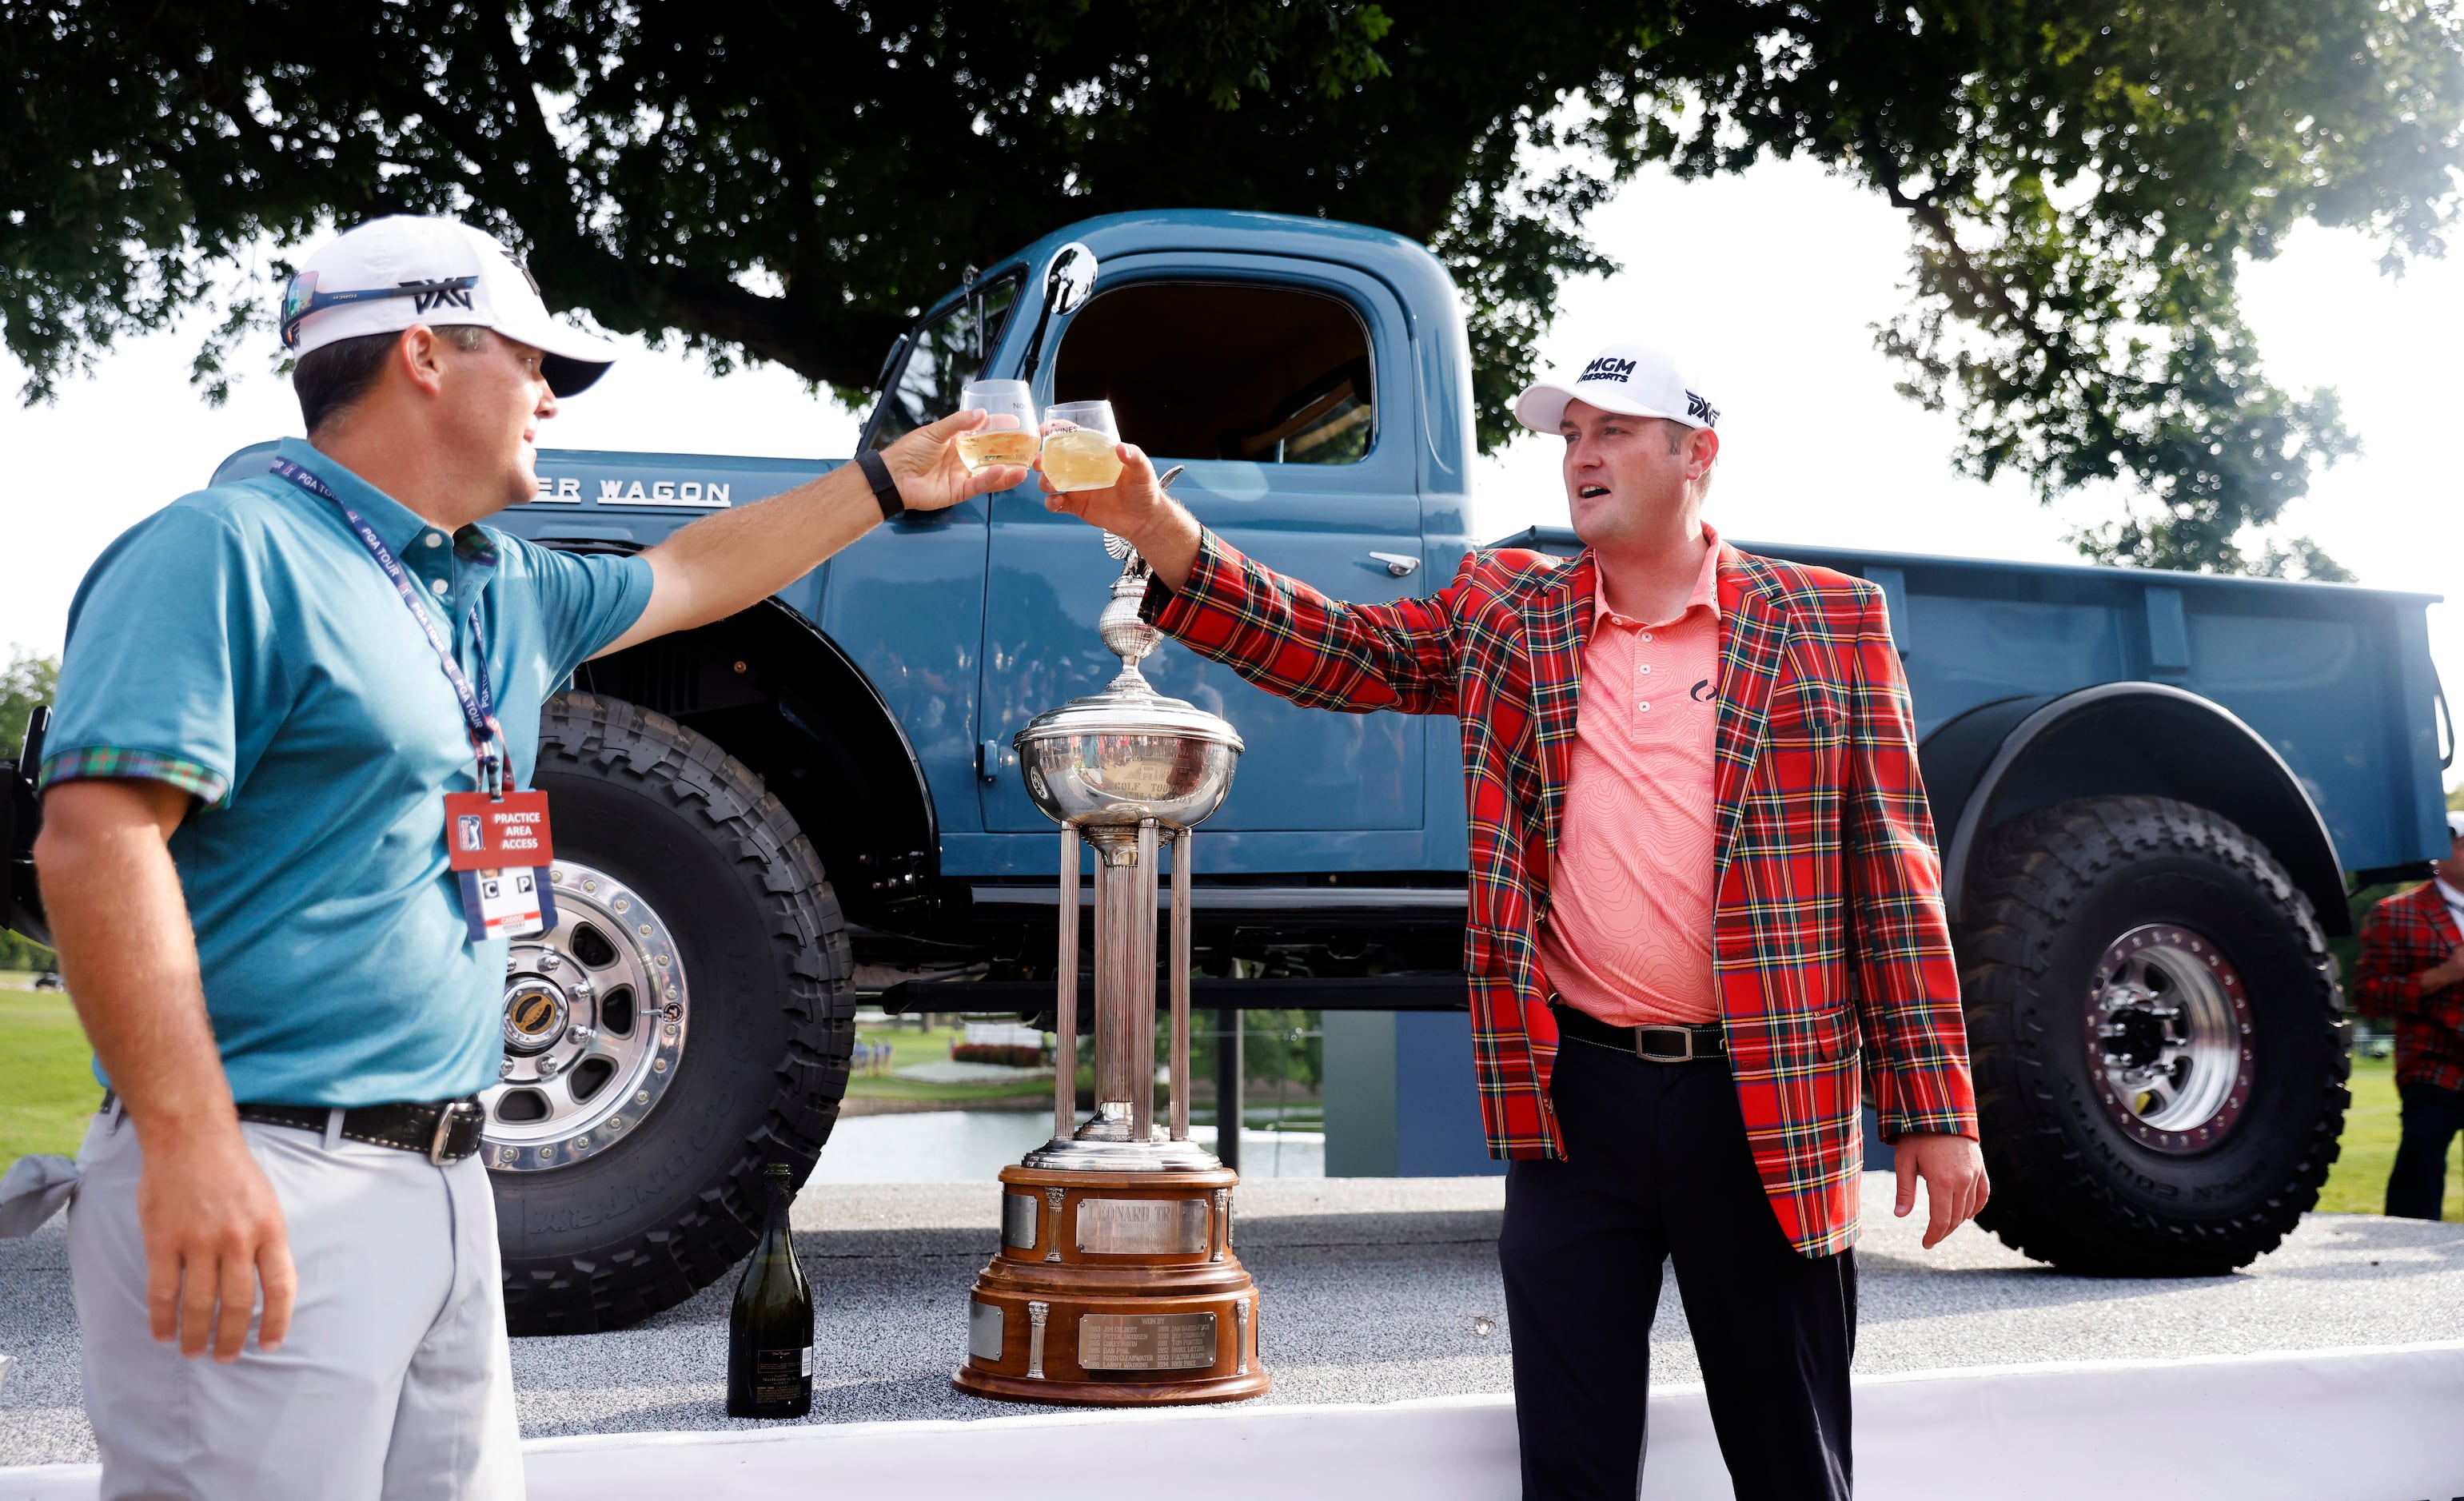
x=395, y=1381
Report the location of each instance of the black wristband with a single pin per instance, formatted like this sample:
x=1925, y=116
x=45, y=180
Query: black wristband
x=885, y=489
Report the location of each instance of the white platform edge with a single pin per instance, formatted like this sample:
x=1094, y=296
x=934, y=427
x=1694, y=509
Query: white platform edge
x=2257, y=1428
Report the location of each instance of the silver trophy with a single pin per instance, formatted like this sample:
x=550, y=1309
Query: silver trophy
x=1116, y=1282
x=1130, y=772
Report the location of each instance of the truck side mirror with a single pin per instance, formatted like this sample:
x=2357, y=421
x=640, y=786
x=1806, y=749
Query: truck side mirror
x=1067, y=283
x=1071, y=277
x=21, y=818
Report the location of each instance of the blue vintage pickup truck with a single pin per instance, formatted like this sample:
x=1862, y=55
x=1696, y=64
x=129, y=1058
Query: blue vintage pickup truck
x=2153, y=792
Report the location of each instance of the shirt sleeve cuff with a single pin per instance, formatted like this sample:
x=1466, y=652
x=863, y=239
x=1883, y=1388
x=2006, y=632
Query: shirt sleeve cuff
x=1932, y=1100
x=202, y=782
x=1213, y=580
x=638, y=583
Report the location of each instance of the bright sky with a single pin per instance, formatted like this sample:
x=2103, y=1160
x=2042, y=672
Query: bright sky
x=1763, y=286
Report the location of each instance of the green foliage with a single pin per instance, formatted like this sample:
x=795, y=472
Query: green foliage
x=792, y=182
x=2085, y=198
x=1276, y=1046
x=25, y=683
x=18, y=953
x=879, y=1082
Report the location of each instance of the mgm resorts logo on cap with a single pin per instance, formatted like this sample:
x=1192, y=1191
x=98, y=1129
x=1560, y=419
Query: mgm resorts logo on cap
x=1633, y=379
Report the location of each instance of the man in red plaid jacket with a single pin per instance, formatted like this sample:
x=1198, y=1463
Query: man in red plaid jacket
x=2411, y=970
x=1704, y=907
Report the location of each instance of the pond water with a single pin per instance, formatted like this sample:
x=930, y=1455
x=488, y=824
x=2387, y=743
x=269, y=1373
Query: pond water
x=974, y=1145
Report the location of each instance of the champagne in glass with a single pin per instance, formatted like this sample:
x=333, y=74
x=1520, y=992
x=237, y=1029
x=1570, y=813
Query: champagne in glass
x=1008, y=435
x=1079, y=439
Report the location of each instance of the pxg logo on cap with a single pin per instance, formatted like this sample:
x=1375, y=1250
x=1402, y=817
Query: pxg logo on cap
x=1633, y=379
x=386, y=274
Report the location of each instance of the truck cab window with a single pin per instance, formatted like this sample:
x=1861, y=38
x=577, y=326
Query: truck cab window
x=1213, y=370
x=943, y=355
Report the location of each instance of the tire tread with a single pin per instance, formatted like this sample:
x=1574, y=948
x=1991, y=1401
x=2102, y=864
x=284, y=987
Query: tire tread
x=661, y=1264
x=2048, y=1201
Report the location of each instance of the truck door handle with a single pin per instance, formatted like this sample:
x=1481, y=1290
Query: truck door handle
x=1400, y=564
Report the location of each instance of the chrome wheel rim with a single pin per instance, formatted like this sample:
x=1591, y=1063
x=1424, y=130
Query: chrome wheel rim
x=594, y=1024
x=2168, y=1035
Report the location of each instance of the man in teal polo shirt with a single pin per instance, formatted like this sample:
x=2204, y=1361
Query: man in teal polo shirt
x=270, y=690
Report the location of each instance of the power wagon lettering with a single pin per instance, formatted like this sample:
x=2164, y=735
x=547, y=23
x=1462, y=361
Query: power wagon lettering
x=566, y=490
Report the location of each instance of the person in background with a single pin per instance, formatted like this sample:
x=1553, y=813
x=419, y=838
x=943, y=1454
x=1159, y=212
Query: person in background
x=270, y=691
x=2412, y=972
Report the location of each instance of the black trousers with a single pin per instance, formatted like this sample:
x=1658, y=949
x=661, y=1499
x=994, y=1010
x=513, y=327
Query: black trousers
x=1657, y=1167
x=2417, y=1183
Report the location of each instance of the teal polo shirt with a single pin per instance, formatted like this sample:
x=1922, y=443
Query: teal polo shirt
x=240, y=643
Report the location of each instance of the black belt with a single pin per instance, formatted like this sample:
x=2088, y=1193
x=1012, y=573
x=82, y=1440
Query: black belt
x=446, y=1132
x=1669, y=1043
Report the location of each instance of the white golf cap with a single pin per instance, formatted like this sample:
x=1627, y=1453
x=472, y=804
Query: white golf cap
x=2454, y=824
x=1633, y=379
x=388, y=274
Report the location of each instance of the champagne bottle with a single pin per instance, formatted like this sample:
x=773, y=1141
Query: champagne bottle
x=770, y=1329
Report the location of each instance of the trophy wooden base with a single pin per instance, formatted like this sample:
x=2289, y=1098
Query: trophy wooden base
x=1114, y=1290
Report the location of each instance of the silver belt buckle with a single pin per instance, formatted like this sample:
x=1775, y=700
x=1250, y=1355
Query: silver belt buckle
x=1648, y=1056
x=444, y=1132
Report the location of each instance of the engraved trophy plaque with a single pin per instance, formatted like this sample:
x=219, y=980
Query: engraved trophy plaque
x=1116, y=1283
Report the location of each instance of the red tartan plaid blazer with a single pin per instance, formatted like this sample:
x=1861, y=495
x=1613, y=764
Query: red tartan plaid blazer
x=2406, y=934
x=1830, y=945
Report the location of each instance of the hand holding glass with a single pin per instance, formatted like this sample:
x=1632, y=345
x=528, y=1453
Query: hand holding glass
x=1008, y=435
x=1081, y=444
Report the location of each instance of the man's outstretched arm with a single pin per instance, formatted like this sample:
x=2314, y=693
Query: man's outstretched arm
x=212, y=1226
x=735, y=560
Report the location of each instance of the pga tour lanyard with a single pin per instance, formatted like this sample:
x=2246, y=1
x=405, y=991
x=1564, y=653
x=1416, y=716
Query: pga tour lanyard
x=478, y=705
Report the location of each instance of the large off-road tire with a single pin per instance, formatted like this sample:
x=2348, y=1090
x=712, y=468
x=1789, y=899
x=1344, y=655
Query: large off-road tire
x=685, y=886
x=2124, y=1141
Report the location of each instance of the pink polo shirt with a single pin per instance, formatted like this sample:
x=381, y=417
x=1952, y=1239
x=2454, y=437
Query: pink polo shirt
x=1628, y=933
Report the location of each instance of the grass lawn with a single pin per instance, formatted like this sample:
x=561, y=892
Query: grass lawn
x=47, y=1092
x=2357, y=1185
x=909, y=1047
x=46, y=1095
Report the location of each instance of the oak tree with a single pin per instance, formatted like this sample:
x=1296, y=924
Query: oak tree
x=791, y=181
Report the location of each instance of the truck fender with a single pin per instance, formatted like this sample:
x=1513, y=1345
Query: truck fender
x=2010, y=757
x=776, y=693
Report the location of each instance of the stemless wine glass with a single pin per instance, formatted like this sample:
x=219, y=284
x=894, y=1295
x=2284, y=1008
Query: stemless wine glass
x=1079, y=439
x=1008, y=435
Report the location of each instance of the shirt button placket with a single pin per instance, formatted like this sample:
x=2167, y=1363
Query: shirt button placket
x=432, y=563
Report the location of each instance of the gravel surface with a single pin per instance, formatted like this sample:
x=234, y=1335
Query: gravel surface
x=1368, y=1290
